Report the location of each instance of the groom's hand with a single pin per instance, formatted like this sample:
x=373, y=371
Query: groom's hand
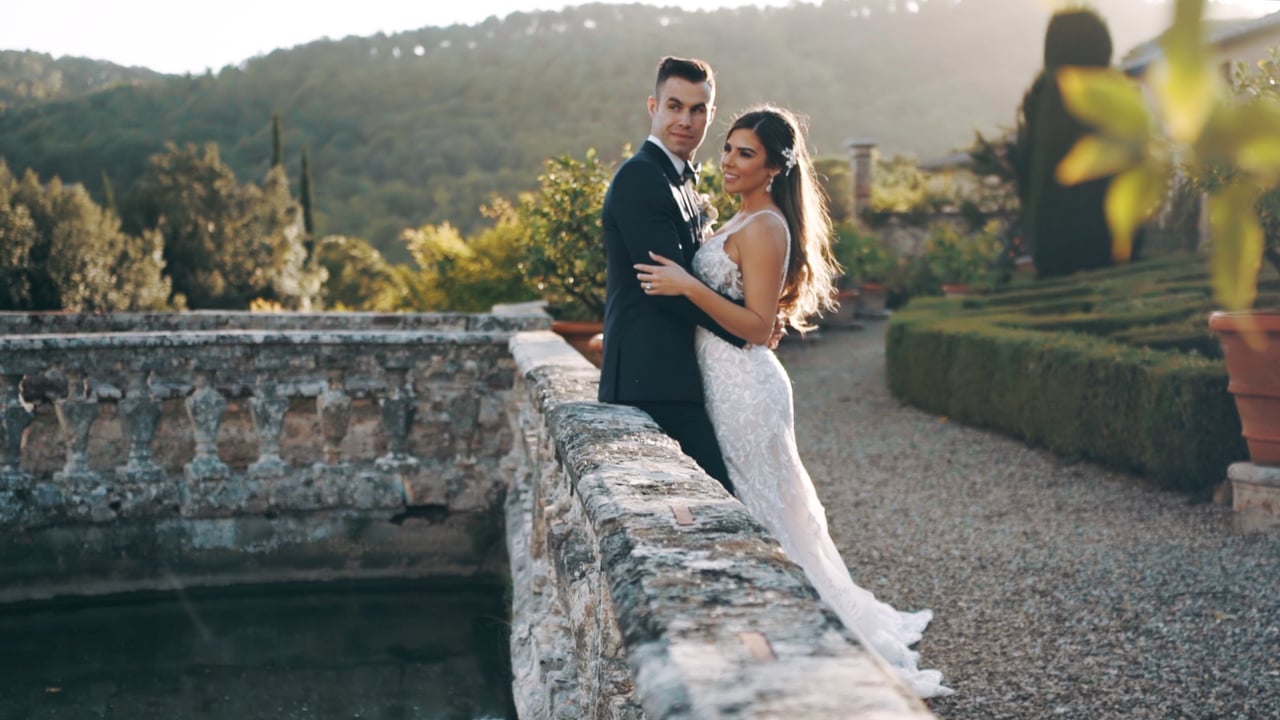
x=779, y=329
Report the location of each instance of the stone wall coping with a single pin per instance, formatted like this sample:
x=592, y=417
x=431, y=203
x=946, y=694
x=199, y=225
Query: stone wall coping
x=225, y=338
x=508, y=318
x=715, y=621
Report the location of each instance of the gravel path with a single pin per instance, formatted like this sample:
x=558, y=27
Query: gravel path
x=1060, y=590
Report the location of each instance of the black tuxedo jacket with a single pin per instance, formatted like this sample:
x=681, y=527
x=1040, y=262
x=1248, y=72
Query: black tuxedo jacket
x=648, y=340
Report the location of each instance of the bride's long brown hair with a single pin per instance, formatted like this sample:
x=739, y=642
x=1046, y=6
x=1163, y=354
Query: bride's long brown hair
x=809, y=287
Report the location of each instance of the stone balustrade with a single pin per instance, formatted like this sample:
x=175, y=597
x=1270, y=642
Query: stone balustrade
x=184, y=450
x=641, y=589
x=264, y=434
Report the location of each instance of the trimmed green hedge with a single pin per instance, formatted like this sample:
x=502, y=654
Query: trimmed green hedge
x=1165, y=415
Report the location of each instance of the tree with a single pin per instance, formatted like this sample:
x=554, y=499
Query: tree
x=563, y=249
x=60, y=251
x=357, y=276
x=277, y=150
x=307, y=198
x=1065, y=225
x=225, y=244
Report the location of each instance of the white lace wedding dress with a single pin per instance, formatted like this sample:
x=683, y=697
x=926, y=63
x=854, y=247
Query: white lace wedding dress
x=748, y=396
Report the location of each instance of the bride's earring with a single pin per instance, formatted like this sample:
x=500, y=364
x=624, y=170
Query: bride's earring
x=769, y=185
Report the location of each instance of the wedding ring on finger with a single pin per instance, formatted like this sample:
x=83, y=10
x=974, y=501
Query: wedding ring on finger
x=648, y=286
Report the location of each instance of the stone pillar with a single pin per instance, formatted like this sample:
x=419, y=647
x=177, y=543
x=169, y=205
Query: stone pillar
x=334, y=482
x=334, y=406
x=397, y=468
x=207, y=491
x=861, y=166
x=139, y=416
x=87, y=494
x=268, y=409
x=398, y=412
x=206, y=406
x=15, y=416
x=140, y=479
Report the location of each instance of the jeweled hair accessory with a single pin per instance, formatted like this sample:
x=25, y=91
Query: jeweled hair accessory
x=790, y=155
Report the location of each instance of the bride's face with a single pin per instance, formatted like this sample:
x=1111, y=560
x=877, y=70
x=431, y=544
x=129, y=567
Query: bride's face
x=742, y=160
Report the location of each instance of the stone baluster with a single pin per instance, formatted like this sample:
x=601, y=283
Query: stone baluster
x=87, y=495
x=139, y=417
x=15, y=416
x=205, y=407
x=141, y=481
x=76, y=413
x=397, y=468
x=333, y=481
x=398, y=410
x=268, y=409
x=334, y=405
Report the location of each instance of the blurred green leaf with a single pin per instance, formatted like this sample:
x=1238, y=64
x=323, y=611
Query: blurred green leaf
x=1132, y=198
x=1237, y=245
x=1185, y=80
x=1094, y=156
x=1107, y=99
x=1258, y=128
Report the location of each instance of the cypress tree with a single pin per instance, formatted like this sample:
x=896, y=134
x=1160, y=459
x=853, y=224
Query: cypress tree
x=1065, y=226
x=306, y=190
x=109, y=194
x=277, y=153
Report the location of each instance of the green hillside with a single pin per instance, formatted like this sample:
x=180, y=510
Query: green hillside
x=28, y=79
x=424, y=126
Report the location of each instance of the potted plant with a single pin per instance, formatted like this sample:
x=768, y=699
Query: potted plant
x=1230, y=141
x=867, y=266
x=964, y=263
x=562, y=253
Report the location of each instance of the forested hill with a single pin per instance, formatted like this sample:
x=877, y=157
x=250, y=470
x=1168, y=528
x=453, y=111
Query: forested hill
x=424, y=126
x=29, y=78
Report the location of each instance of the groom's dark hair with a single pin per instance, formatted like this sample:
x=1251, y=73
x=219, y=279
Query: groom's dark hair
x=691, y=69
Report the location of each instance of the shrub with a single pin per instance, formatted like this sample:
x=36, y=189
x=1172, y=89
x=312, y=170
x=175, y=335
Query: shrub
x=862, y=255
x=954, y=257
x=562, y=252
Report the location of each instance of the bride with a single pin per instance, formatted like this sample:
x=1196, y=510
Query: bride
x=774, y=254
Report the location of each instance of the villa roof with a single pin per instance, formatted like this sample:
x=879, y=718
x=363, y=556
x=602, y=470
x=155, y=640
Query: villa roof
x=1219, y=34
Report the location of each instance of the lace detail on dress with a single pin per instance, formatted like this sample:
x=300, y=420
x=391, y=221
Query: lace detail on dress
x=748, y=396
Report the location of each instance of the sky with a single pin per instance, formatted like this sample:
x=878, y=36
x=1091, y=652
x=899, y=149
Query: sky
x=180, y=36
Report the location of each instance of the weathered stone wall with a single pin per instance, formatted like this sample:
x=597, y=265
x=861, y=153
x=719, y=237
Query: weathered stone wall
x=642, y=589
x=143, y=460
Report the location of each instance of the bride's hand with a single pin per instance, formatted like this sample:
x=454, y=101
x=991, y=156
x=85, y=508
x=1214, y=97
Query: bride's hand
x=665, y=278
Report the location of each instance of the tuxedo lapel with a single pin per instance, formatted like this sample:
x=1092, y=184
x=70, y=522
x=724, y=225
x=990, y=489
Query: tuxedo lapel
x=685, y=197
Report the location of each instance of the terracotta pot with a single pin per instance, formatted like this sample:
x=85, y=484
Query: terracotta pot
x=1251, y=348
x=845, y=312
x=579, y=335
x=872, y=298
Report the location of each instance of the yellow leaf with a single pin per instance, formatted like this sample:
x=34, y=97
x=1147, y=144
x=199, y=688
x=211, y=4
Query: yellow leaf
x=1236, y=242
x=1107, y=99
x=1261, y=154
x=1094, y=156
x=1185, y=80
x=1257, y=128
x=1132, y=197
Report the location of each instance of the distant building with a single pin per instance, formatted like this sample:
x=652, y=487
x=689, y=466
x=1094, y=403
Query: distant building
x=1233, y=40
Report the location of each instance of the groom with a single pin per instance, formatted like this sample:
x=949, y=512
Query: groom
x=649, y=358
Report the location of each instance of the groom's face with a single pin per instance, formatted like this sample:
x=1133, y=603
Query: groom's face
x=680, y=114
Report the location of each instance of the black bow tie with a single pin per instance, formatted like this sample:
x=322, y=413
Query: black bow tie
x=690, y=173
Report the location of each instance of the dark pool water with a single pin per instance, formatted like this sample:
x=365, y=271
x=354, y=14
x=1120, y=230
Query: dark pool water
x=370, y=651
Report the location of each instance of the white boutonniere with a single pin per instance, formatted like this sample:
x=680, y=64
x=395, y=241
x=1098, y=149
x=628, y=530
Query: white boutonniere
x=707, y=214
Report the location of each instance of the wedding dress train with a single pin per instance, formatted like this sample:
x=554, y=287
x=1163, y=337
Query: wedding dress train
x=748, y=397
